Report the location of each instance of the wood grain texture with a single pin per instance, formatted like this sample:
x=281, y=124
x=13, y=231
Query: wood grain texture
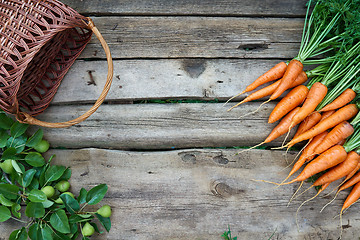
x=196, y=194
x=161, y=79
x=166, y=49
x=160, y=126
x=200, y=37
x=188, y=7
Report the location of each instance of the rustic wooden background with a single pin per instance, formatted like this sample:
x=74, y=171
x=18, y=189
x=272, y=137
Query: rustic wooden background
x=172, y=168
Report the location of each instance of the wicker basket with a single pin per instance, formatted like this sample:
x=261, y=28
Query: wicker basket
x=40, y=40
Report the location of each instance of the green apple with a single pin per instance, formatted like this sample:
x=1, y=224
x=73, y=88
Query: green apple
x=88, y=230
x=60, y=201
x=49, y=191
x=42, y=146
x=104, y=211
x=7, y=166
x=62, y=186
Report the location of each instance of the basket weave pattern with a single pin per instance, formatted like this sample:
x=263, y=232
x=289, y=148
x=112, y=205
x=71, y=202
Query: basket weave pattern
x=40, y=40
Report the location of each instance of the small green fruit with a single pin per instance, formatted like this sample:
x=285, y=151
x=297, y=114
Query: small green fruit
x=104, y=211
x=42, y=146
x=49, y=191
x=88, y=230
x=7, y=166
x=60, y=201
x=62, y=186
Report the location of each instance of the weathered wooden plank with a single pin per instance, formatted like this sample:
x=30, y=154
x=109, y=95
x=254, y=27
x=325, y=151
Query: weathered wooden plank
x=188, y=7
x=162, y=79
x=181, y=37
x=160, y=126
x=196, y=194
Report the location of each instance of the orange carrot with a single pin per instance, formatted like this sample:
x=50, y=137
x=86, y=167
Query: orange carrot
x=308, y=122
x=338, y=133
x=282, y=127
x=353, y=196
x=323, y=187
x=347, y=96
x=307, y=153
x=274, y=73
x=347, y=184
x=294, y=98
x=343, y=114
x=353, y=172
x=326, y=160
x=294, y=68
x=327, y=114
x=340, y=170
x=352, y=181
x=315, y=141
x=341, y=142
x=267, y=91
x=315, y=96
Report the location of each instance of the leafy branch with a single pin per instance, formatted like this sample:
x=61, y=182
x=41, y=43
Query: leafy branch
x=31, y=182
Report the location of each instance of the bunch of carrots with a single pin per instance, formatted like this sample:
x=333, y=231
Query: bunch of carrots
x=326, y=109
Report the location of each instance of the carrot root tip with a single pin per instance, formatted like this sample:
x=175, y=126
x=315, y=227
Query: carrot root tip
x=293, y=196
x=329, y=202
x=277, y=148
x=248, y=149
x=252, y=111
x=233, y=97
x=265, y=181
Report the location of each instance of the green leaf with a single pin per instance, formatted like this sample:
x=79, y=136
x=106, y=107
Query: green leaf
x=76, y=218
x=82, y=196
x=9, y=191
x=54, y=173
x=18, y=143
x=35, y=209
x=18, y=129
x=4, y=201
x=19, y=234
x=70, y=203
x=66, y=176
x=5, y=121
x=22, y=234
x=4, y=136
x=14, y=234
x=36, y=195
x=5, y=214
x=35, y=159
x=28, y=177
x=44, y=233
x=47, y=203
x=15, y=208
x=74, y=229
x=19, y=168
x=42, y=174
x=34, y=184
x=106, y=222
x=60, y=236
x=33, y=229
x=85, y=215
x=9, y=153
x=60, y=222
x=96, y=194
x=96, y=227
x=35, y=138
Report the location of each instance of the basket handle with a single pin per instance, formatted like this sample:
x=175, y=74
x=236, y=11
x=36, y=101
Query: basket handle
x=26, y=118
